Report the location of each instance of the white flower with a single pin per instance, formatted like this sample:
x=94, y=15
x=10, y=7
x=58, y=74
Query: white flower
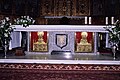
x=22, y=16
x=17, y=22
x=6, y=30
x=6, y=35
x=25, y=21
x=7, y=18
x=21, y=20
x=112, y=26
x=29, y=20
x=27, y=17
x=33, y=22
x=2, y=26
x=114, y=33
x=116, y=22
x=25, y=24
x=3, y=21
x=10, y=24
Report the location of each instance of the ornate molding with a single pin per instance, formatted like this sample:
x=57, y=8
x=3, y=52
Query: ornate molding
x=74, y=67
x=65, y=7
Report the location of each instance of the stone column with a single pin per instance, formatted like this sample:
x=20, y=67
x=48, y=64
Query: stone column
x=95, y=42
x=107, y=43
x=28, y=41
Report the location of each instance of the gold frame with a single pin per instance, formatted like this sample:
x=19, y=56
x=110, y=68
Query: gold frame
x=47, y=49
x=75, y=45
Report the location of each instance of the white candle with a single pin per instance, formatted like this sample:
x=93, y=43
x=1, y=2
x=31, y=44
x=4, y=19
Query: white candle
x=106, y=20
x=112, y=20
x=89, y=20
x=85, y=20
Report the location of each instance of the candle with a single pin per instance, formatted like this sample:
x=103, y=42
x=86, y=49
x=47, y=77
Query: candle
x=85, y=20
x=89, y=20
x=106, y=20
x=112, y=20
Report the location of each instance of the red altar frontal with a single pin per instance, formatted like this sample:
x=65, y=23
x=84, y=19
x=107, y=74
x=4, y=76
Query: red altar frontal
x=83, y=41
x=39, y=41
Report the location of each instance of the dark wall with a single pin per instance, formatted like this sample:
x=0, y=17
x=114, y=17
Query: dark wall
x=43, y=8
x=105, y=7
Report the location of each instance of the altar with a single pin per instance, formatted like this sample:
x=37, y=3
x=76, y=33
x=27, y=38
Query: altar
x=47, y=38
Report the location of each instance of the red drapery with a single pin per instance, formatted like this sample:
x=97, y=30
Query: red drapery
x=34, y=38
x=89, y=37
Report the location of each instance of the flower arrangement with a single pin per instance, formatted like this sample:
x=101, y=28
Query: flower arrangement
x=25, y=21
x=114, y=32
x=6, y=29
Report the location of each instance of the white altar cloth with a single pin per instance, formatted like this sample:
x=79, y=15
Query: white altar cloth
x=16, y=35
x=16, y=40
x=87, y=28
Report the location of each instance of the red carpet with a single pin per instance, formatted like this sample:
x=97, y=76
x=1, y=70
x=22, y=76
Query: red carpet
x=59, y=72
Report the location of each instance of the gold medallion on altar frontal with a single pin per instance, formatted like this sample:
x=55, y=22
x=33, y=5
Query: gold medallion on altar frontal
x=39, y=41
x=84, y=42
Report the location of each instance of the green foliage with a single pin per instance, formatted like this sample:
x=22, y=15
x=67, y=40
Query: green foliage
x=114, y=32
x=6, y=28
x=5, y=31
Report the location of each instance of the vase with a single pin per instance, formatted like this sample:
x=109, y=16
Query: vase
x=5, y=49
x=114, y=50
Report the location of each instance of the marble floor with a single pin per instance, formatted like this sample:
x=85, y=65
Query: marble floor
x=62, y=56
x=85, y=58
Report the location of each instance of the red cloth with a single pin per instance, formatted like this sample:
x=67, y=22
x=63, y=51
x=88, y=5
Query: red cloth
x=34, y=38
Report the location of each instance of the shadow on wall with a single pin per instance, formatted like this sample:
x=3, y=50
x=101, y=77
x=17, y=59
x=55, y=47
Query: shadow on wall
x=64, y=21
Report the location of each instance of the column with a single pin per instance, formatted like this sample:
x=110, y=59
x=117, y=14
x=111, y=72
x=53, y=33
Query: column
x=28, y=41
x=95, y=42
x=107, y=43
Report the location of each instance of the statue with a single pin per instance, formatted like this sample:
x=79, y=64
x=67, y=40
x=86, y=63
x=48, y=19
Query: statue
x=84, y=41
x=40, y=37
x=40, y=45
x=84, y=46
